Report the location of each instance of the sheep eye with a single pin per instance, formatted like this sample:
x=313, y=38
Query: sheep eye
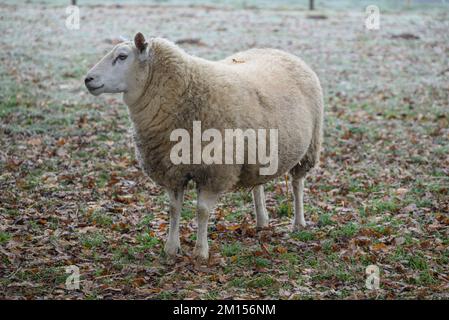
x=121, y=57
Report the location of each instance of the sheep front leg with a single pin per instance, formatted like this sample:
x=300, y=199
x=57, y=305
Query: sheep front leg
x=206, y=202
x=173, y=246
x=298, y=196
x=259, y=207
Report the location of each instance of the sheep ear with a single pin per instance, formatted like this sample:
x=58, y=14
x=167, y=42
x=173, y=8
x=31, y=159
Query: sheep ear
x=139, y=41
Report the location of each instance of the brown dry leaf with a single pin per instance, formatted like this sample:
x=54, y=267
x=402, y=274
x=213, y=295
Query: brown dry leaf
x=127, y=199
x=61, y=142
x=221, y=227
x=34, y=141
x=138, y=282
x=443, y=219
x=64, y=185
x=281, y=249
x=265, y=249
x=233, y=227
x=379, y=247
x=258, y=253
x=401, y=191
x=362, y=241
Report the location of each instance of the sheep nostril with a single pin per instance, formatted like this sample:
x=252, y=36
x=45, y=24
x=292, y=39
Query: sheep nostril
x=88, y=79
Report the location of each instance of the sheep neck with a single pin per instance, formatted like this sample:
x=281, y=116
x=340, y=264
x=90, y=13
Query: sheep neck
x=164, y=92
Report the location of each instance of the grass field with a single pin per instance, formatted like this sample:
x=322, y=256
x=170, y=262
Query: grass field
x=71, y=192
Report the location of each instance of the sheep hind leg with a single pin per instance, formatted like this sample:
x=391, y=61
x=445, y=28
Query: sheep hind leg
x=206, y=202
x=173, y=245
x=298, y=174
x=260, y=210
x=298, y=198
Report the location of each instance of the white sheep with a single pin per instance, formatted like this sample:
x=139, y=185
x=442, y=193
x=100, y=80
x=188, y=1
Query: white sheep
x=166, y=89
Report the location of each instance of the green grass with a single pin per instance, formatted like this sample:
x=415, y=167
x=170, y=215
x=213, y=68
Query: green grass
x=188, y=213
x=380, y=135
x=418, y=262
x=303, y=236
x=93, y=240
x=145, y=221
x=325, y=219
x=284, y=209
x=237, y=282
x=381, y=206
x=4, y=237
x=43, y=277
x=262, y=281
x=147, y=241
x=165, y=295
x=346, y=231
x=8, y=106
x=124, y=255
x=101, y=219
x=232, y=249
x=425, y=278
x=262, y=262
x=235, y=215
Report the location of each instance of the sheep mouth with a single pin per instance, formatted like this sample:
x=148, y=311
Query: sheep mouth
x=95, y=88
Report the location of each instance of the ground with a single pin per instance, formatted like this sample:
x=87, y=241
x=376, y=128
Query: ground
x=71, y=192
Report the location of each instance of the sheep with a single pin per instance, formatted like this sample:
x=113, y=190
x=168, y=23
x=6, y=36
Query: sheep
x=167, y=89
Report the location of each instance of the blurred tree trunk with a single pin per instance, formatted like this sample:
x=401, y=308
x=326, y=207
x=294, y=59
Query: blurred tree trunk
x=73, y=2
x=311, y=4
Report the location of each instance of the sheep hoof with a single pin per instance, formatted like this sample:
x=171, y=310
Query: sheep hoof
x=262, y=227
x=298, y=226
x=169, y=260
x=201, y=259
x=201, y=254
x=172, y=250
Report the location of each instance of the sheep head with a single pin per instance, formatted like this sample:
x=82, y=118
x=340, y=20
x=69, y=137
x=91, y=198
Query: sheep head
x=120, y=69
